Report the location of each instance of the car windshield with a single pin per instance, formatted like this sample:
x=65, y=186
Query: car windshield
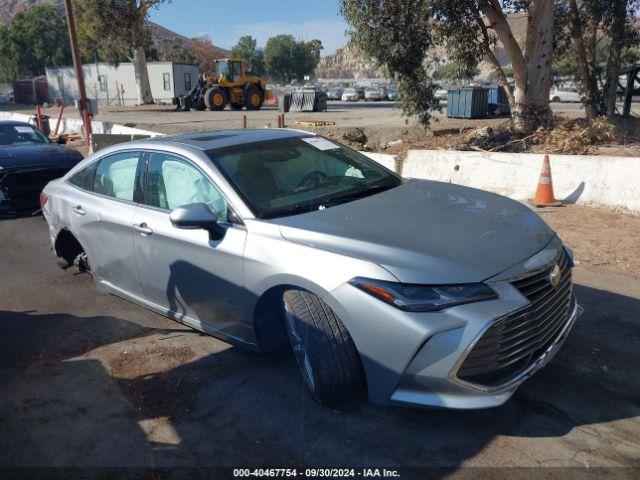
x=20, y=135
x=222, y=68
x=297, y=175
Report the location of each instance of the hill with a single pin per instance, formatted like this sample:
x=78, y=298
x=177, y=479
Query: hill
x=349, y=63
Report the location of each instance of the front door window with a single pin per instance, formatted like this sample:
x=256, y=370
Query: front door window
x=173, y=182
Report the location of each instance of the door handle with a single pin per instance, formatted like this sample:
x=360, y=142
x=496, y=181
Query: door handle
x=78, y=210
x=142, y=228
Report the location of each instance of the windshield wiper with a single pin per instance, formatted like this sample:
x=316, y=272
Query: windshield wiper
x=304, y=207
x=356, y=194
x=328, y=201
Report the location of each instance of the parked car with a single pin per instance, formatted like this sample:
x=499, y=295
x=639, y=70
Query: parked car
x=392, y=94
x=360, y=92
x=334, y=94
x=622, y=90
x=8, y=97
x=374, y=94
x=426, y=293
x=28, y=161
x=350, y=95
x=566, y=94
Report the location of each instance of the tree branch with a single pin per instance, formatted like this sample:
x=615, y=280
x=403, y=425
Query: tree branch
x=498, y=22
x=502, y=78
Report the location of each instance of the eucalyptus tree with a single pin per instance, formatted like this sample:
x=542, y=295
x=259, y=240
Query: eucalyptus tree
x=400, y=34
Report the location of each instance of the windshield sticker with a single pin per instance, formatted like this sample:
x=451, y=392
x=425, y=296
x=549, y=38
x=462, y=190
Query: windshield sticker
x=21, y=129
x=321, y=143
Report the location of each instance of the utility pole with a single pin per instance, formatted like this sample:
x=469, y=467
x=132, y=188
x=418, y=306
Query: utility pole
x=76, y=56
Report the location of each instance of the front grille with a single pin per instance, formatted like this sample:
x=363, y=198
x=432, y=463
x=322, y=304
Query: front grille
x=516, y=341
x=22, y=189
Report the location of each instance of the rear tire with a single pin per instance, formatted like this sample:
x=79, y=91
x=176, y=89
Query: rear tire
x=215, y=99
x=327, y=357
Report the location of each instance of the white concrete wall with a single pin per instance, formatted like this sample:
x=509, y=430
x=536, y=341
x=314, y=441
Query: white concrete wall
x=584, y=179
x=75, y=126
x=384, y=159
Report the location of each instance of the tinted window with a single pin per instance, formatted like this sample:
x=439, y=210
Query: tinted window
x=294, y=175
x=115, y=175
x=20, y=134
x=172, y=182
x=84, y=178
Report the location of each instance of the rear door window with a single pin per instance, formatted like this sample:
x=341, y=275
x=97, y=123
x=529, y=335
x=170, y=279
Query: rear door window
x=84, y=178
x=116, y=175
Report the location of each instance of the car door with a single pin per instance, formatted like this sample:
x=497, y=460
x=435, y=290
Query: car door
x=101, y=210
x=184, y=273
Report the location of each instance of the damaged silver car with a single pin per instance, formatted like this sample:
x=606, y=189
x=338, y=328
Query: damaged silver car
x=419, y=292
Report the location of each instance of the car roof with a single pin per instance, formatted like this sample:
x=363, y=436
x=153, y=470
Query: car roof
x=14, y=122
x=226, y=138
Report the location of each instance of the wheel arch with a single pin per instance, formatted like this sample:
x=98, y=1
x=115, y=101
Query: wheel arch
x=268, y=313
x=254, y=83
x=67, y=246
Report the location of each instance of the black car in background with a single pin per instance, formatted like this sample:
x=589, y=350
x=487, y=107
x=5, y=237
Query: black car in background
x=28, y=161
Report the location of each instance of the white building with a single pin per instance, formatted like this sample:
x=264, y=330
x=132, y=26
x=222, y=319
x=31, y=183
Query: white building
x=117, y=86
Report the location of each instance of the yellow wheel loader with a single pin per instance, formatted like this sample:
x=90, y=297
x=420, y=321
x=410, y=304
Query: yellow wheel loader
x=229, y=84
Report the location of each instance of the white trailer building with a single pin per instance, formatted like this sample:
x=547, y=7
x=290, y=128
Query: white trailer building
x=117, y=86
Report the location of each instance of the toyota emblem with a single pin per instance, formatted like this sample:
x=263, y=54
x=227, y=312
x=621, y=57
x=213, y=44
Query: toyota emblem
x=554, y=276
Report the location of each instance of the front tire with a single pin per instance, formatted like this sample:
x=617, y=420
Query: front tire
x=327, y=357
x=215, y=98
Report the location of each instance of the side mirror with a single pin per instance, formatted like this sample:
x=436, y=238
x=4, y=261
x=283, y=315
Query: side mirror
x=61, y=140
x=197, y=216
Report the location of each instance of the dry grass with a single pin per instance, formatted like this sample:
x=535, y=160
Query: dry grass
x=576, y=136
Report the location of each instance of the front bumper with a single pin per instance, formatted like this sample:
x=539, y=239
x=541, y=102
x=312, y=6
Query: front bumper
x=20, y=190
x=412, y=358
x=464, y=395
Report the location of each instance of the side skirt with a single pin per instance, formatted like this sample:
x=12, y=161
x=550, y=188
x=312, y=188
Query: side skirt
x=176, y=316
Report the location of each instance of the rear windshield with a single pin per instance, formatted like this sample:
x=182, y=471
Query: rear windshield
x=20, y=134
x=298, y=175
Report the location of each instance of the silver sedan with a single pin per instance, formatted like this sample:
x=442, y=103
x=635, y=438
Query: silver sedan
x=420, y=292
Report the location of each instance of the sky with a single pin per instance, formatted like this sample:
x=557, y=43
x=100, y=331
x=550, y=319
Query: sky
x=226, y=21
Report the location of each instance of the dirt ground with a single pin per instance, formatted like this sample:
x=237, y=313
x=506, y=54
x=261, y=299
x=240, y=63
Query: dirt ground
x=92, y=381
x=601, y=239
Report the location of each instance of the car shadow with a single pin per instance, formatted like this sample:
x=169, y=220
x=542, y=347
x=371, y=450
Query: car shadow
x=258, y=404
x=236, y=408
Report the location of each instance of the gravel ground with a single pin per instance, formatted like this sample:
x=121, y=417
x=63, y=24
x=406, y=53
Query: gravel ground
x=601, y=238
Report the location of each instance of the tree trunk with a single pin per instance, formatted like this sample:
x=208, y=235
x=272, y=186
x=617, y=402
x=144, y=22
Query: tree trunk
x=587, y=74
x=531, y=69
x=143, y=87
x=613, y=63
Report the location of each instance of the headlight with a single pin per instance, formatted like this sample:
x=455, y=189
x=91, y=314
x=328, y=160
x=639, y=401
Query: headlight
x=424, y=298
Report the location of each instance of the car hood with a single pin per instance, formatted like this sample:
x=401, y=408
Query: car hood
x=427, y=232
x=33, y=156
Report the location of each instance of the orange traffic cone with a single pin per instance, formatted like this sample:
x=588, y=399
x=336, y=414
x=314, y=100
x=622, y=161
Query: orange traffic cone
x=544, y=194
